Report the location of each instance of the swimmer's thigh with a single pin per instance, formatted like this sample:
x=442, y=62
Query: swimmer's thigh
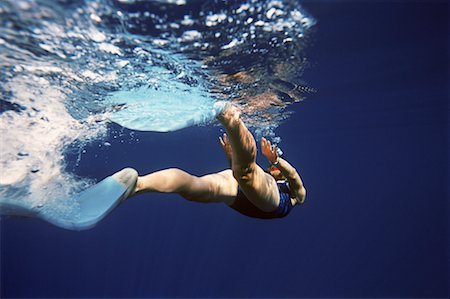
x=216, y=187
x=260, y=188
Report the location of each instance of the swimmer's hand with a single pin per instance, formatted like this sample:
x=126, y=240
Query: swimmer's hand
x=269, y=151
x=226, y=146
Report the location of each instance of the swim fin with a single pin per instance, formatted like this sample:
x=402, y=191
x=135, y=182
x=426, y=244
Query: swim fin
x=92, y=205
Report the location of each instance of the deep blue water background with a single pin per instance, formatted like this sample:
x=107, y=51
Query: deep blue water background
x=371, y=146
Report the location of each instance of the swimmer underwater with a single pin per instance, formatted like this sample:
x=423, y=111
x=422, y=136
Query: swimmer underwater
x=246, y=187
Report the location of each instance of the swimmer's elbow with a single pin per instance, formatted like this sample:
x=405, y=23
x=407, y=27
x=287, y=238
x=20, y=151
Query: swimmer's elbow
x=301, y=195
x=294, y=175
x=304, y=193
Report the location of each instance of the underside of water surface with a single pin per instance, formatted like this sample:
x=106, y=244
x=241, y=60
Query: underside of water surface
x=68, y=68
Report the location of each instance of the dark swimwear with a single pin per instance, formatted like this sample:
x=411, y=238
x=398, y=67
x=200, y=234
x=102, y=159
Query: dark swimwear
x=245, y=206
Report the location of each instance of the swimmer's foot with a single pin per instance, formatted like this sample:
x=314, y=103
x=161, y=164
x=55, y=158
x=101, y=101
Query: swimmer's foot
x=219, y=106
x=127, y=177
x=229, y=115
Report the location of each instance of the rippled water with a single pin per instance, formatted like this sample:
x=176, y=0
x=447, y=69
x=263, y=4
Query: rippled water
x=61, y=63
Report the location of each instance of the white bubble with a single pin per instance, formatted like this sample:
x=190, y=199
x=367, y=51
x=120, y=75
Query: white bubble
x=110, y=49
x=97, y=36
x=215, y=19
x=191, y=35
x=230, y=45
x=95, y=18
x=187, y=21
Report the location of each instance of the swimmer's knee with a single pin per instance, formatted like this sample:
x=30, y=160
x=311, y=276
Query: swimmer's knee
x=199, y=191
x=176, y=172
x=189, y=196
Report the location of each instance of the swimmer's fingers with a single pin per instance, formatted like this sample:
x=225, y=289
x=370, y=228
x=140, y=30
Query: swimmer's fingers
x=263, y=143
x=225, y=138
x=226, y=146
x=275, y=152
x=274, y=149
x=265, y=147
x=225, y=143
x=269, y=150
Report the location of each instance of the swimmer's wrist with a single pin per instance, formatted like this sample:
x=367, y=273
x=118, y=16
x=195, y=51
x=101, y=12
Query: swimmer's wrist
x=276, y=162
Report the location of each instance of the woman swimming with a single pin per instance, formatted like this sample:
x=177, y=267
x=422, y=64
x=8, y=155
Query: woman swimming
x=246, y=187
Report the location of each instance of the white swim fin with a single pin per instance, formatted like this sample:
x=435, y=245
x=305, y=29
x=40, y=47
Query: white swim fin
x=93, y=204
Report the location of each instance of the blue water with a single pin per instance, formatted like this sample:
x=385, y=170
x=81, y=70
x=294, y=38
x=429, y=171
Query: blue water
x=371, y=146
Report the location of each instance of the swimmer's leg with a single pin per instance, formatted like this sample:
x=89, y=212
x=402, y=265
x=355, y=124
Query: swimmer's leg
x=259, y=187
x=216, y=187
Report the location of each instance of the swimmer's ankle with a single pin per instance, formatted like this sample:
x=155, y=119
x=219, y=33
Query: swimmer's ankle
x=137, y=188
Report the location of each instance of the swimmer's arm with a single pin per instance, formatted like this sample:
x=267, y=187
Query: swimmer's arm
x=295, y=182
x=294, y=179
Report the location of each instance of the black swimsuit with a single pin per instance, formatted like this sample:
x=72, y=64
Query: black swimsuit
x=246, y=207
